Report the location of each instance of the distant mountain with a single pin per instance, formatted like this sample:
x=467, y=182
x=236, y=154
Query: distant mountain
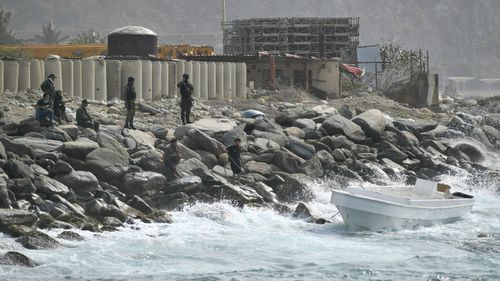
x=462, y=35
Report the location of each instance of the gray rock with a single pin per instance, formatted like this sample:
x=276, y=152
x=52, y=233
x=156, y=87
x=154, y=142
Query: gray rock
x=294, y=132
x=188, y=185
x=4, y=195
x=265, y=191
x=19, y=217
x=49, y=186
x=237, y=132
x=287, y=161
x=16, y=259
x=70, y=235
x=347, y=111
x=473, y=152
x=415, y=125
x=259, y=168
x=60, y=168
x=40, y=147
x=263, y=144
x=170, y=202
x=434, y=144
x=300, y=148
x=338, y=155
x=20, y=187
x=307, y=213
x=38, y=170
x=461, y=125
x=222, y=171
x=206, y=157
x=106, y=165
x=293, y=189
x=143, y=183
x=137, y=203
x=313, y=168
x=79, y=149
x=264, y=124
x=204, y=142
x=160, y=132
x=111, y=221
x=390, y=151
x=71, y=130
x=28, y=125
x=79, y=180
x=105, y=140
x=187, y=153
x=74, y=208
x=38, y=241
x=16, y=147
x=146, y=108
x=96, y=206
x=140, y=137
x=372, y=122
x=150, y=160
x=278, y=138
x=3, y=152
x=18, y=169
x=491, y=133
x=222, y=189
x=336, y=124
x=190, y=166
x=304, y=124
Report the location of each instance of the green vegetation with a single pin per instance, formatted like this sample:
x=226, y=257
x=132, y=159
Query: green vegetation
x=6, y=36
x=50, y=35
x=13, y=54
x=349, y=85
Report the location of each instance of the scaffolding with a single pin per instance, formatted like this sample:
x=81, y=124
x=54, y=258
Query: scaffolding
x=309, y=37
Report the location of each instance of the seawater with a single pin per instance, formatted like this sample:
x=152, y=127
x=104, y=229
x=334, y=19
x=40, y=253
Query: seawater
x=221, y=242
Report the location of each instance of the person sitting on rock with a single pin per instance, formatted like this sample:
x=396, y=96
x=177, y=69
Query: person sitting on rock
x=59, y=108
x=234, y=152
x=171, y=157
x=44, y=111
x=84, y=119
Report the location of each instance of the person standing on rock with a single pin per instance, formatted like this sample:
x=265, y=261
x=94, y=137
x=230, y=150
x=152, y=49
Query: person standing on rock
x=186, y=98
x=48, y=87
x=59, y=108
x=84, y=119
x=44, y=111
x=130, y=96
x=234, y=153
x=171, y=157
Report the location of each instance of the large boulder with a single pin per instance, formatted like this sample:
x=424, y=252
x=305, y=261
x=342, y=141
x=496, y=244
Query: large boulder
x=491, y=133
x=337, y=124
x=415, y=125
x=294, y=188
x=105, y=140
x=49, y=186
x=41, y=147
x=264, y=124
x=20, y=187
x=288, y=117
x=390, y=151
x=303, y=123
x=372, y=122
x=203, y=141
x=259, y=168
x=190, y=166
x=302, y=149
x=16, y=259
x=70, y=129
x=278, y=138
x=473, y=152
x=143, y=183
x=16, y=147
x=79, y=149
x=307, y=213
x=237, y=132
x=140, y=137
x=287, y=161
x=189, y=185
x=106, y=164
x=151, y=160
x=79, y=180
x=16, y=217
x=38, y=241
x=187, y=153
x=18, y=169
x=215, y=127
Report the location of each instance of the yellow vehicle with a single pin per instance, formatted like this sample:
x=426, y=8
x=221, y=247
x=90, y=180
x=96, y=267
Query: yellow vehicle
x=88, y=50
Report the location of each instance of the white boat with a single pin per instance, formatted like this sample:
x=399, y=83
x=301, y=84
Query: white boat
x=399, y=207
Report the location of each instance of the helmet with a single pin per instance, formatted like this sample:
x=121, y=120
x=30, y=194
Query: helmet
x=131, y=78
x=185, y=76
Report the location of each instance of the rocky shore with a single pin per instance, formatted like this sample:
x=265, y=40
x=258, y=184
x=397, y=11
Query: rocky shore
x=75, y=178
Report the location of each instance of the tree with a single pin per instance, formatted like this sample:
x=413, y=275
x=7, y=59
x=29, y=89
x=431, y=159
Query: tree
x=90, y=36
x=50, y=35
x=6, y=36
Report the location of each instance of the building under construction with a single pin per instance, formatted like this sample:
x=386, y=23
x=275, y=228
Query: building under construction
x=309, y=37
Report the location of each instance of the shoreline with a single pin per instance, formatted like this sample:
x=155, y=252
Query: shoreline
x=70, y=177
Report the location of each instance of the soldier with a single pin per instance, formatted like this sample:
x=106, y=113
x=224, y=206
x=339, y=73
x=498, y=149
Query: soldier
x=130, y=96
x=59, y=108
x=48, y=87
x=234, y=152
x=171, y=157
x=84, y=119
x=186, y=98
x=44, y=111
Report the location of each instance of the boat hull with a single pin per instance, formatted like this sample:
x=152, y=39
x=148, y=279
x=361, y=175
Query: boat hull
x=361, y=212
